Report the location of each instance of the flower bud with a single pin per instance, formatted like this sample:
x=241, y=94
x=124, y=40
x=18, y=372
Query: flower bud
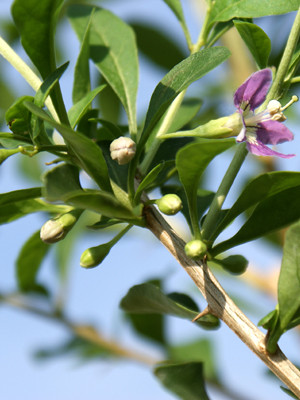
x=56, y=229
x=94, y=256
x=195, y=249
x=170, y=204
x=122, y=150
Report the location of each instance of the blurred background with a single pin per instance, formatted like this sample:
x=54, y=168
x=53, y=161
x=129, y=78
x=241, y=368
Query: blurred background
x=35, y=361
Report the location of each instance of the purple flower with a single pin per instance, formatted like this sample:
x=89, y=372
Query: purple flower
x=265, y=127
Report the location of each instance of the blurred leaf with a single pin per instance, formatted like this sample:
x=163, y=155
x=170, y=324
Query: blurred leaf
x=82, y=82
x=271, y=214
x=36, y=22
x=86, y=152
x=288, y=392
x=18, y=117
x=289, y=278
x=185, y=380
x=83, y=349
x=29, y=261
x=224, y=10
x=176, y=7
x=148, y=180
x=178, y=79
x=59, y=181
x=147, y=298
x=101, y=202
x=258, y=189
x=113, y=50
x=191, y=162
x=150, y=326
x=257, y=41
x=200, y=350
x=166, y=53
x=217, y=32
x=78, y=109
x=235, y=264
x=104, y=222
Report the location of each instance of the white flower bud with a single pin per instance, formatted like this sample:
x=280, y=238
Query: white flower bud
x=56, y=229
x=195, y=249
x=122, y=150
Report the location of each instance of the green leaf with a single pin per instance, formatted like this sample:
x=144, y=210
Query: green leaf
x=102, y=203
x=36, y=22
x=185, y=380
x=178, y=79
x=289, y=278
x=257, y=190
x=256, y=40
x=59, y=181
x=29, y=261
x=148, y=180
x=176, y=7
x=191, y=162
x=20, y=195
x=18, y=117
x=147, y=298
x=166, y=53
x=199, y=350
x=114, y=52
x=78, y=109
x=82, y=82
x=224, y=10
x=87, y=154
x=271, y=214
x=235, y=264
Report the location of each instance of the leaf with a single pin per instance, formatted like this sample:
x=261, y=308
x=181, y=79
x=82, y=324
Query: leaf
x=78, y=109
x=166, y=53
x=18, y=117
x=147, y=298
x=29, y=261
x=199, y=350
x=271, y=214
x=289, y=278
x=185, y=380
x=102, y=203
x=257, y=41
x=258, y=189
x=148, y=180
x=224, y=10
x=191, y=162
x=20, y=195
x=236, y=264
x=288, y=392
x=176, y=7
x=82, y=82
x=114, y=52
x=59, y=181
x=86, y=152
x=178, y=79
x=36, y=22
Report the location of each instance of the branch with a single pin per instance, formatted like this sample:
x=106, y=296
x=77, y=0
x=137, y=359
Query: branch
x=221, y=305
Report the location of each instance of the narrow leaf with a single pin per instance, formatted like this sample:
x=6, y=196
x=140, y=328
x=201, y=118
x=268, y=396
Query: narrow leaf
x=29, y=261
x=185, y=380
x=176, y=7
x=89, y=156
x=257, y=41
x=113, y=50
x=148, y=180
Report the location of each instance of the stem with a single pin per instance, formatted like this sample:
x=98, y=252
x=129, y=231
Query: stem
x=221, y=305
x=283, y=67
x=30, y=77
x=214, y=211
x=296, y=79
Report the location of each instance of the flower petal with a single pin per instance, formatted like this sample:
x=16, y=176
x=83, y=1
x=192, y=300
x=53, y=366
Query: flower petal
x=273, y=132
x=259, y=149
x=254, y=90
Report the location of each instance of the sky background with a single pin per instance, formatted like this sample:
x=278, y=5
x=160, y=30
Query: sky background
x=94, y=295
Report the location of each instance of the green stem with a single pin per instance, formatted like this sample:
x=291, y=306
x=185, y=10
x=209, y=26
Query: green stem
x=30, y=77
x=291, y=44
x=214, y=211
x=296, y=79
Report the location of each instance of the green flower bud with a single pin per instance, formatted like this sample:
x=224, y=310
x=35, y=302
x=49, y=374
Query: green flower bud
x=170, y=204
x=122, y=150
x=57, y=228
x=195, y=249
x=94, y=256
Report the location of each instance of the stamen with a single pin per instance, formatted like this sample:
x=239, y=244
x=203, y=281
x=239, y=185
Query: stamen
x=294, y=99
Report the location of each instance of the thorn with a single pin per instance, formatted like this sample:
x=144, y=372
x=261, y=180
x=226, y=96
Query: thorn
x=202, y=314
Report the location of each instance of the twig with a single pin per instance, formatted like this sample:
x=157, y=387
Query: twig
x=221, y=304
